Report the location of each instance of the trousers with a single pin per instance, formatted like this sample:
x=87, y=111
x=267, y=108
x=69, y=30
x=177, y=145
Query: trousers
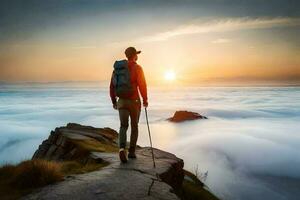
x=128, y=109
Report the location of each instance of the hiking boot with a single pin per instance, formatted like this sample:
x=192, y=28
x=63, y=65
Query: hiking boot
x=122, y=155
x=131, y=153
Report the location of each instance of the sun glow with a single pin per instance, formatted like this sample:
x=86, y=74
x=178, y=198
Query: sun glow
x=170, y=75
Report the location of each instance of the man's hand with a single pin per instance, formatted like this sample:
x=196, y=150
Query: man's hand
x=145, y=104
x=115, y=106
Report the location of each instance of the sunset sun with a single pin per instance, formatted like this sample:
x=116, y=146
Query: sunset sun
x=170, y=75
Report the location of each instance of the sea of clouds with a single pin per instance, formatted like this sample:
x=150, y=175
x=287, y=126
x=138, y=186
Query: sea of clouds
x=249, y=145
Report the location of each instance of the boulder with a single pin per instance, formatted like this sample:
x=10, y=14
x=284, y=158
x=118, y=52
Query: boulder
x=75, y=142
x=180, y=116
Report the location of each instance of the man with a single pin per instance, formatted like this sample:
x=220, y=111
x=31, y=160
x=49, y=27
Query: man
x=126, y=83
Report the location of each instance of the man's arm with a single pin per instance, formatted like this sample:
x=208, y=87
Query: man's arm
x=112, y=92
x=142, y=85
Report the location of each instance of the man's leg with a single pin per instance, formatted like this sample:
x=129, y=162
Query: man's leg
x=124, y=115
x=134, y=120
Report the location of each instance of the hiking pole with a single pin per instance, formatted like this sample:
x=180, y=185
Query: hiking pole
x=150, y=137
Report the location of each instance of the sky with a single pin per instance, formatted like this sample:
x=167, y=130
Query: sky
x=201, y=42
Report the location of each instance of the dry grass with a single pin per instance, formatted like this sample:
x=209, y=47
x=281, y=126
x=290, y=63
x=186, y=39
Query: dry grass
x=21, y=179
x=17, y=180
x=36, y=173
x=94, y=145
x=193, y=188
x=6, y=171
x=73, y=167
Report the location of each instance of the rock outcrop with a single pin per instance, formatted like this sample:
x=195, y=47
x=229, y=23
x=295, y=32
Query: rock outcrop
x=137, y=179
x=76, y=142
x=180, y=116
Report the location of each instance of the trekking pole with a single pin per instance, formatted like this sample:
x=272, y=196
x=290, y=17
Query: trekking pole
x=150, y=137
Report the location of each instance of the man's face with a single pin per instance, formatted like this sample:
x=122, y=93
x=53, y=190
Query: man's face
x=135, y=58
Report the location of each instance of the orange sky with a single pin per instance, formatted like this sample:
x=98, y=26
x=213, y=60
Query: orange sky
x=199, y=49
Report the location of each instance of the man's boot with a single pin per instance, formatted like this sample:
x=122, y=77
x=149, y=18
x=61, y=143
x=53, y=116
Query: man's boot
x=122, y=155
x=131, y=152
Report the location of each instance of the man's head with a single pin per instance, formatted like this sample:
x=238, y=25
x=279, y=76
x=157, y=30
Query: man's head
x=131, y=53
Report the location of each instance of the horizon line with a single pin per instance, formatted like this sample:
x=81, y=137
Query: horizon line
x=204, y=84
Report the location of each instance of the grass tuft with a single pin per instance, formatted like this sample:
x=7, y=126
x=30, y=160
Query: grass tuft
x=94, y=145
x=36, y=173
x=6, y=171
x=73, y=167
x=193, y=188
x=23, y=178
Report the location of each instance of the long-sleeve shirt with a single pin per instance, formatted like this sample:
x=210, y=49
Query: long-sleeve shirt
x=138, y=83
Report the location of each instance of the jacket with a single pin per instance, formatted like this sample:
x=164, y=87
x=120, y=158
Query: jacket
x=138, y=82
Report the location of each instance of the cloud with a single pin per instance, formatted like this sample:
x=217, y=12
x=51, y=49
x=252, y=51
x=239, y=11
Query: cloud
x=221, y=41
x=222, y=25
x=9, y=144
x=239, y=144
x=84, y=47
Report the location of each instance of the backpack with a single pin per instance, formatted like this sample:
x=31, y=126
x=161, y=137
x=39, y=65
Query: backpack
x=121, y=79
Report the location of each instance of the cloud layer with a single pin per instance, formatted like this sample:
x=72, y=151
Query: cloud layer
x=249, y=144
x=222, y=25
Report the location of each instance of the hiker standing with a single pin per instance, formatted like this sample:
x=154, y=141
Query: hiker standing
x=127, y=82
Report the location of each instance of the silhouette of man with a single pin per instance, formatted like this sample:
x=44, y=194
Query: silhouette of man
x=130, y=105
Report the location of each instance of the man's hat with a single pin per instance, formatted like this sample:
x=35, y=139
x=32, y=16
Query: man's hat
x=131, y=51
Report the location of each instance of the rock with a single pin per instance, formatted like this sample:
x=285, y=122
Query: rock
x=137, y=179
x=62, y=144
x=107, y=184
x=180, y=116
